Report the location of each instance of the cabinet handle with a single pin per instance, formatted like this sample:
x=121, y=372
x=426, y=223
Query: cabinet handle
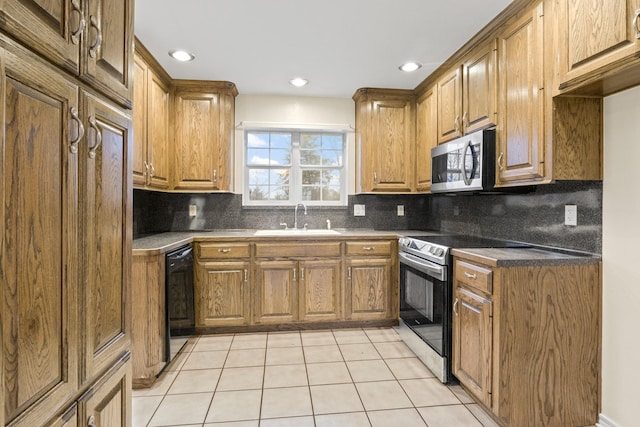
x=375, y=178
x=636, y=26
x=93, y=50
x=465, y=122
x=224, y=251
x=471, y=276
x=349, y=273
x=500, y=157
x=245, y=275
x=153, y=170
x=75, y=36
x=74, y=143
x=368, y=248
x=146, y=171
x=215, y=175
x=94, y=125
x=302, y=274
x=455, y=304
x=456, y=123
x=91, y=422
x=295, y=275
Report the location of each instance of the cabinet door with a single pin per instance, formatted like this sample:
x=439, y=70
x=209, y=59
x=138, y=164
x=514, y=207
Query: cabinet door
x=139, y=167
x=108, y=402
x=148, y=331
x=320, y=290
x=426, y=137
x=276, y=292
x=392, y=145
x=38, y=247
x=221, y=293
x=158, y=111
x=450, y=106
x=108, y=48
x=197, y=141
x=472, y=349
x=53, y=28
x=368, y=289
x=521, y=105
x=479, y=88
x=598, y=33
x=106, y=227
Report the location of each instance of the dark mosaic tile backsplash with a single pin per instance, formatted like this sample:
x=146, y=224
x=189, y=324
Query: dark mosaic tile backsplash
x=536, y=217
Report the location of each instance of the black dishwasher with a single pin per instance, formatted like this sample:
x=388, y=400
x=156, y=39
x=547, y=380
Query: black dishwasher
x=179, y=297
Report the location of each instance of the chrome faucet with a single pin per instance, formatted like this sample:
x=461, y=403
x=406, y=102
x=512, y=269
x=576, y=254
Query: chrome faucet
x=295, y=215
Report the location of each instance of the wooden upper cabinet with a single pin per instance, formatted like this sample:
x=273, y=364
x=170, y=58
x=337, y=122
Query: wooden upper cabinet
x=53, y=28
x=596, y=36
x=480, y=88
x=204, y=130
x=39, y=286
x=520, y=137
x=139, y=165
x=385, y=135
x=426, y=137
x=105, y=265
x=450, y=105
x=467, y=94
x=90, y=38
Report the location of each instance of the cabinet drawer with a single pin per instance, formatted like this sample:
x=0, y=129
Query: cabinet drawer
x=297, y=249
x=369, y=248
x=223, y=250
x=475, y=276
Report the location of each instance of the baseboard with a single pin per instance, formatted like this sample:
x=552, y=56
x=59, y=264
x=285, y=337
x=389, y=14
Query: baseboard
x=604, y=421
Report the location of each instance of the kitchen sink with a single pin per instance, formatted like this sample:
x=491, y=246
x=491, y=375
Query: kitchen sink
x=296, y=232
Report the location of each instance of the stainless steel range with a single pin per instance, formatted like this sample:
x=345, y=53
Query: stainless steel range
x=425, y=295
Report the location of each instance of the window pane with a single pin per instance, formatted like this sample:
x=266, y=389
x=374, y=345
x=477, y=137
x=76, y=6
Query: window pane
x=331, y=193
x=310, y=177
x=331, y=158
x=331, y=177
x=332, y=142
x=257, y=156
x=311, y=192
x=279, y=192
x=310, y=140
x=257, y=140
x=258, y=176
x=279, y=176
x=259, y=192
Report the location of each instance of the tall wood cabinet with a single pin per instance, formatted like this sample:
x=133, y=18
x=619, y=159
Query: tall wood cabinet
x=526, y=338
x=385, y=135
x=204, y=118
x=66, y=207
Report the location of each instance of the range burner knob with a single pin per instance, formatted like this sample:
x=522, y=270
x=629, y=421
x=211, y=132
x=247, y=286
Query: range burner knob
x=439, y=252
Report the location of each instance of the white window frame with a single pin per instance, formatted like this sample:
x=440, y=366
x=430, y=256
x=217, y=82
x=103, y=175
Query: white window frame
x=295, y=183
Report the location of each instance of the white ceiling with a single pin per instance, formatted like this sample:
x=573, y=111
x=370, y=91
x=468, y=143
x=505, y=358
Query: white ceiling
x=338, y=45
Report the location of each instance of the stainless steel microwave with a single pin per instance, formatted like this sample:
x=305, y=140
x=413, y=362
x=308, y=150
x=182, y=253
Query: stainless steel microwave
x=465, y=164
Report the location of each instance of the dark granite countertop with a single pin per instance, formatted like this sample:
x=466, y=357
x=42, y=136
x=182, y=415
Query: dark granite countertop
x=164, y=242
x=525, y=256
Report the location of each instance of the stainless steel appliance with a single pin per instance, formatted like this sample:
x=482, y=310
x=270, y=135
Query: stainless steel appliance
x=465, y=164
x=426, y=288
x=180, y=320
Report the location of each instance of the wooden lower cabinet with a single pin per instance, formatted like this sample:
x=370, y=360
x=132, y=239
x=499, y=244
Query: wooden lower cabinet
x=368, y=289
x=148, y=336
x=526, y=340
x=222, y=293
x=276, y=292
x=319, y=290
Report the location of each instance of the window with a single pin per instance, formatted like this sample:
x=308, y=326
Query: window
x=285, y=167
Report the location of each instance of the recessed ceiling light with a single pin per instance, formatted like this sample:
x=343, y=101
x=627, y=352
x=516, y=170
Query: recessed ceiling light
x=181, y=55
x=410, y=66
x=299, y=82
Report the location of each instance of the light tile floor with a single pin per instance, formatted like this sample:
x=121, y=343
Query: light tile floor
x=337, y=378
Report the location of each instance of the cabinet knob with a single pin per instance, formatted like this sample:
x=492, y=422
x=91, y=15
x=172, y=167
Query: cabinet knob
x=75, y=35
x=224, y=251
x=73, y=147
x=471, y=276
x=636, y=24
x=215, y=175
x=368, y=248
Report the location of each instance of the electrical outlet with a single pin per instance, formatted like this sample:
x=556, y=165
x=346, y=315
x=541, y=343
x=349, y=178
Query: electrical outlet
x=570, y=215
x=456, y=211
x=358, y=210
x=193, y=210
x=400, y=210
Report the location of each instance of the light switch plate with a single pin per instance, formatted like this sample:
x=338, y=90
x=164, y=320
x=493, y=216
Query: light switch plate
x=400, y=210
x=193, y=210
x=570, y=215
x=358, y=210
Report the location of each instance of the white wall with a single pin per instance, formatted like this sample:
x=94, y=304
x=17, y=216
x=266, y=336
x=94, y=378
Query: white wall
x=621, y=260
x=289, y=111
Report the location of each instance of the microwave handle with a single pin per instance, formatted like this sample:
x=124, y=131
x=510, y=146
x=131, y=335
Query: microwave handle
x=463, y=170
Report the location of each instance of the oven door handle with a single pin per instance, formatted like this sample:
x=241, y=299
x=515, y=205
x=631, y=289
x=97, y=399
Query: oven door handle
x=434, y=270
